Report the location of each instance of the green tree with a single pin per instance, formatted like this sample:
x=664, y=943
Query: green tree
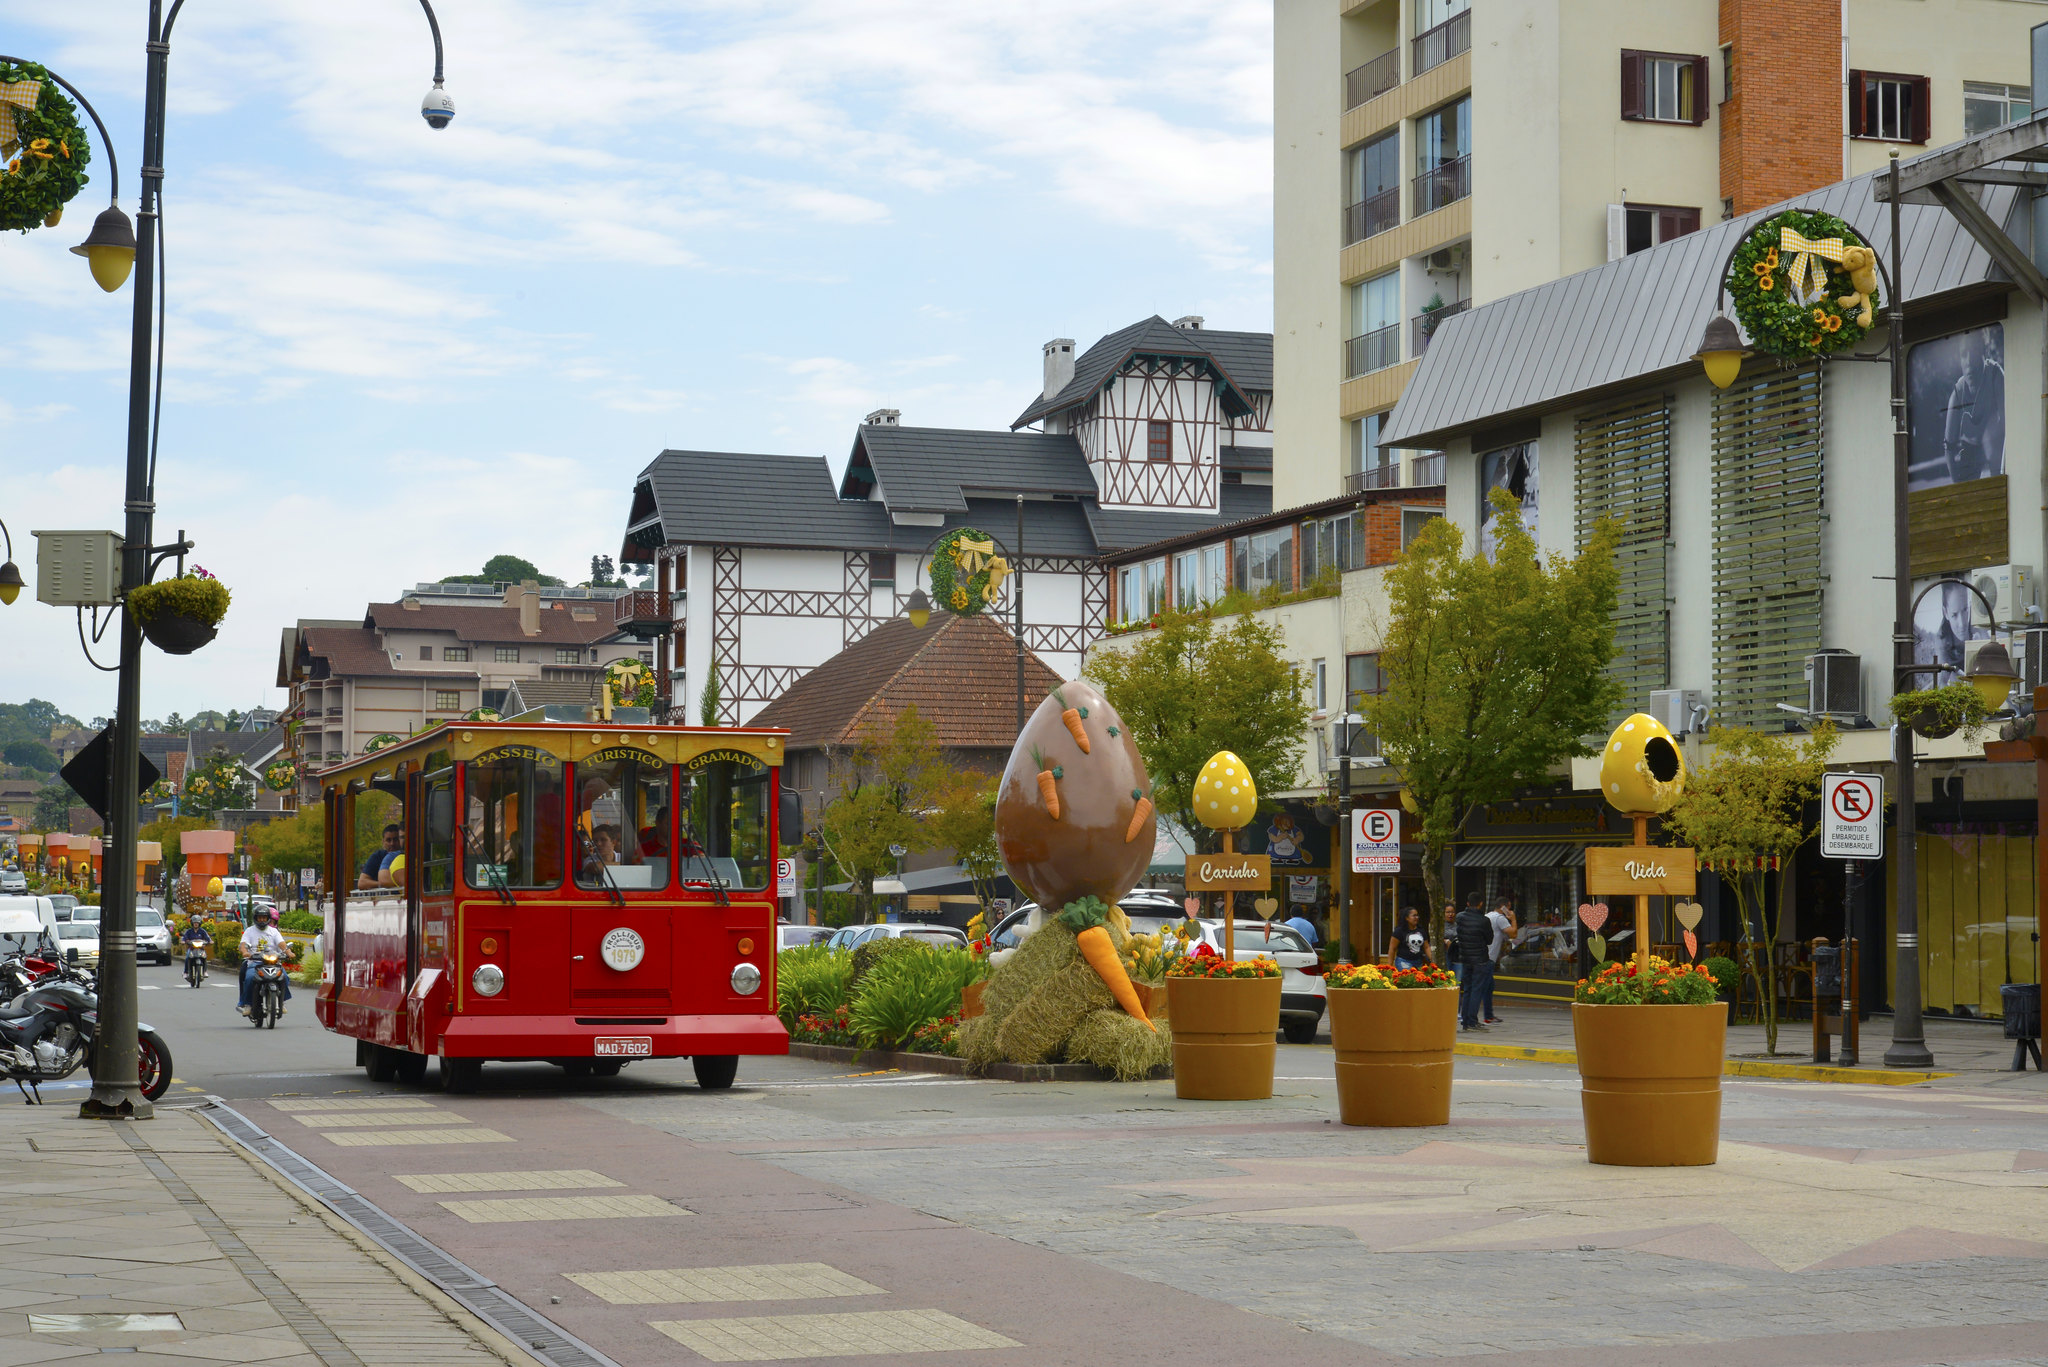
x=32, y=720
x=892, y=779
x=602, y=574
x=1495, y=670
x=708, y=703
x=1190, y=689
x=220, y=783
x=291, y=843
x=32, y=754
x=1745, y=811
x=964, y=821
x=53, y=808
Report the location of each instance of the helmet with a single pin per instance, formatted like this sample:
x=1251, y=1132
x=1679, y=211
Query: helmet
x=265, y=914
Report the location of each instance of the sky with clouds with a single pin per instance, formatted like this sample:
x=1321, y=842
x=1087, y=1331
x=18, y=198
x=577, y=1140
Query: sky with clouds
x=719, y=224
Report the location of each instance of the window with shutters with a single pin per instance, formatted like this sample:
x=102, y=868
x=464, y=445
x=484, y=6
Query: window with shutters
x=1158, y=440
x=1646, y=225
x=1888, y=106
x=1663, y=87
x=881, y=569
x=1622, y=466
x=1768, y=486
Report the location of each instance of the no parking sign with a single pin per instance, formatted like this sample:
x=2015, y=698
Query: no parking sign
x=1852, y=816
x=1376, y=840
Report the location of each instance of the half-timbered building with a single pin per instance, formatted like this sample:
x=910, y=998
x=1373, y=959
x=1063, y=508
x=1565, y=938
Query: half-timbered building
x=764, y=566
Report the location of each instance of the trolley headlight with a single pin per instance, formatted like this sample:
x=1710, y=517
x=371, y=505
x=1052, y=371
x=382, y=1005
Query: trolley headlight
x=488, y=980
x=745, y=979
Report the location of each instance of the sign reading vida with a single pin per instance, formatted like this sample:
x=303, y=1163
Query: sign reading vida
x=1229, y=872
x=1636, y=870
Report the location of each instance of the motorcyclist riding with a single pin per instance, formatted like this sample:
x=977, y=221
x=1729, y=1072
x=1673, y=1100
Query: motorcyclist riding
x=260, y=936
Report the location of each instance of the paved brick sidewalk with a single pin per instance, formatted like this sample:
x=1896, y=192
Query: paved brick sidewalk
x=165, y=1218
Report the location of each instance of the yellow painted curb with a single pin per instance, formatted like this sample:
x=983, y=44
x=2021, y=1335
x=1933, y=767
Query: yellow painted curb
x=1806, y=1072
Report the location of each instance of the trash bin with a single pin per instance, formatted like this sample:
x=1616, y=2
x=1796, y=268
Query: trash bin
x=1827, y=971
x=2022, y=1003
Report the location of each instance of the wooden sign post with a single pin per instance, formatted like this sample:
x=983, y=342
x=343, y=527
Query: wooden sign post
x=1641, y=871
x=1227, y=873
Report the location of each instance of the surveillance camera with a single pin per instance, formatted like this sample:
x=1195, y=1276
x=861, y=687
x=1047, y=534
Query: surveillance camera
x=437, y=109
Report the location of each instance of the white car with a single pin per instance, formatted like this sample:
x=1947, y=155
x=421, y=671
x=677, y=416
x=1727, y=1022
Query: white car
x=152, y=936
x=83, y=936
x=788, y=936
x=1147, y=910
x=13, y=880
x=939, y=937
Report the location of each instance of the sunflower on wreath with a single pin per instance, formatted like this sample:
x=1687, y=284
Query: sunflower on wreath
x=43, y=150
x=1803, y=285
x=965, y=570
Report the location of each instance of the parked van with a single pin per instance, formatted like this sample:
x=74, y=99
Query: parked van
x=44, y=909
x=235, y=892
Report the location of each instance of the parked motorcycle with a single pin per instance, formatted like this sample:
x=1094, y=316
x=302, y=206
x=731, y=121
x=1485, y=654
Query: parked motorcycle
x=195, y=964
x=266, y=995
x=19, y=972
x=47, y=1033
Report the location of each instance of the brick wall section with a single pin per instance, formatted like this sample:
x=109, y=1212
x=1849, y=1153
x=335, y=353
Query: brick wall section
x=1781, y=131
x=1383, y=527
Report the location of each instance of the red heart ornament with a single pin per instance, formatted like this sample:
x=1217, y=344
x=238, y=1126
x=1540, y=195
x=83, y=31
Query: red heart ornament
x=1594, y=914
x=1194, y=906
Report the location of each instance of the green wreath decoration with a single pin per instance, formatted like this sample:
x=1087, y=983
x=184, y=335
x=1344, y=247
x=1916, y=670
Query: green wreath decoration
x=44, y=148
x=960, y=577
x=1799, y=321
x=281, y=776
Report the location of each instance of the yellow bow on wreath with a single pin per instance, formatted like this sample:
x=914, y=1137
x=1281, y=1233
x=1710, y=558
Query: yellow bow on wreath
x=622, y=681
x=1804, y=265
x=970, y=556
x=15, y=95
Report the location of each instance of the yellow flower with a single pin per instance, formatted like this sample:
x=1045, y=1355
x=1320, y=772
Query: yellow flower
x=959, y=597
x=1820, y=316
x=1834, y=323
x=38, y=144
x=1766, y=284
x=1761, y=267
x=1814, y=340
x=1772, y=256
x=65, y=148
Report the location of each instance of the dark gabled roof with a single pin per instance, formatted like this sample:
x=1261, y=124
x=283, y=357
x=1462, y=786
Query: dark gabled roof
x=933, y=469
x=1245, y=458
x=1637, y=321
x=1157, y=337
x=730, y=498
x=1121, y=530
x=495, y=624
x=959, y=672
x=347, y=650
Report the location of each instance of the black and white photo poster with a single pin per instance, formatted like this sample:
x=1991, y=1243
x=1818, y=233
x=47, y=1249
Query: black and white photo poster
x=1513, y=468
x=1955, y=396
x=1942, y=624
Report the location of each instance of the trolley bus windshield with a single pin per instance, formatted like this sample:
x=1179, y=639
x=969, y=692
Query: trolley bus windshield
x=514, y=818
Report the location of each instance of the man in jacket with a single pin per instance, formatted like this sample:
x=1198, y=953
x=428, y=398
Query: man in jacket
x=1475, y=941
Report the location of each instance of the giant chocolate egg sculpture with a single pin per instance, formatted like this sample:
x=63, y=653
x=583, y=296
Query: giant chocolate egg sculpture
x=1074, y=813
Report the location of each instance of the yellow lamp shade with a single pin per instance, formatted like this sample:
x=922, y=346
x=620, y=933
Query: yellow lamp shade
x=110, y=266
x=1722, y=367
x=1642, y=768
x=1225, y=796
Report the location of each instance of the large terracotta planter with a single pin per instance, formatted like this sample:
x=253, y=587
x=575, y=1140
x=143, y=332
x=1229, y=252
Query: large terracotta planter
x=1223, y=1037
x=1651, y=1082
x=1394, y=1054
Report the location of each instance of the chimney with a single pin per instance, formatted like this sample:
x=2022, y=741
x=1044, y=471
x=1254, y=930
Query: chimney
x=1059, y=364
x=527, y=599
x=1189, y=322
x=884, y=417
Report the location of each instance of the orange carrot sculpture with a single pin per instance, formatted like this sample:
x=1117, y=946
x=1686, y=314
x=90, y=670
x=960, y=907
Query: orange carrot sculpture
x=1046, y=788
x=1073, y=717
x=1144, y=809
x=1085, y=918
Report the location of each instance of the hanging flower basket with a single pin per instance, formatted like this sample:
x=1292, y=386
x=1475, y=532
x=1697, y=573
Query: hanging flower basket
x=180, y=615
x=43, y=151
x=1935, y=713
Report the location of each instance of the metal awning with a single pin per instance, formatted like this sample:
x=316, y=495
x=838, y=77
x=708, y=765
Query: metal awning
x=1547, y=854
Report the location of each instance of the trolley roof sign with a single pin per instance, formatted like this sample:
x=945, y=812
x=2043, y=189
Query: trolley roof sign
x=1852, y=816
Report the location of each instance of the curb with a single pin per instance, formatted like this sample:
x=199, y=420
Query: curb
x=1804, y=1072
x=958, y=1067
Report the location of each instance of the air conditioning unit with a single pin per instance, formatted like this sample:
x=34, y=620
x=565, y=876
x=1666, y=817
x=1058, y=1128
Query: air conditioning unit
x=2010, y=590
x=1834, y=683
x=1452, y=258
x=2033, y=661
x=1677, y=708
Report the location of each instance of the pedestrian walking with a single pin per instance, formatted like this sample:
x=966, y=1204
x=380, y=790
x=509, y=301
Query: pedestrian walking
x=1475, y=941
x=1503, y=919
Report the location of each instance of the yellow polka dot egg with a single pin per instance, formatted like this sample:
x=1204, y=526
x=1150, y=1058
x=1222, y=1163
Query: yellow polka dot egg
x=1642, y=768
x=1224, y=795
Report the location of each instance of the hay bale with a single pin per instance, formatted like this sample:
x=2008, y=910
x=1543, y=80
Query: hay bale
x=1120, y=1044
x=1050, y=949
x=976, y=1040
x=1034, y=1029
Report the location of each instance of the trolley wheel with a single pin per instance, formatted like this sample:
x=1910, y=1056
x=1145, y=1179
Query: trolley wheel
x=412, y=1068
x=383, y=1064
x=461, y=1075
x=1298, y=1030
x=609, y=1067
x=715, y=1072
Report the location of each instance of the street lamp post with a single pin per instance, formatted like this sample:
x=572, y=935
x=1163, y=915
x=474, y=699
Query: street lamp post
x=115, y=1092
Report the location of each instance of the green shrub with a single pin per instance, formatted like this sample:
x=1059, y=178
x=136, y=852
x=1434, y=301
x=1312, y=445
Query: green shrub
x=873, y=952
x=227, y=941
x=811, y=980
x=1725, y=973
x=186, y=596
x=906, y=990
x=307, y=974
x=305, y=922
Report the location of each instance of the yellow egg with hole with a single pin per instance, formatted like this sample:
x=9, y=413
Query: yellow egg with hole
x=1642, y=769
x=1225, y=797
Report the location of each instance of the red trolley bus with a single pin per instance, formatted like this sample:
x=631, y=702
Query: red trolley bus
x=583, y=893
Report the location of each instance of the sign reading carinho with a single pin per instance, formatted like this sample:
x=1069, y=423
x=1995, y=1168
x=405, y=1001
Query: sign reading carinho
x=1229, y=872
x=1655, y=870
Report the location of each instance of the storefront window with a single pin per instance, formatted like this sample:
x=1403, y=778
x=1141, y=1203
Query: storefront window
x=622, y=820
x=724, y=842
x=512, y=825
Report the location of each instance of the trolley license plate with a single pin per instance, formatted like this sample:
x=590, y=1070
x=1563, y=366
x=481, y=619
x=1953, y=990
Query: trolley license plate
x=625, y=1046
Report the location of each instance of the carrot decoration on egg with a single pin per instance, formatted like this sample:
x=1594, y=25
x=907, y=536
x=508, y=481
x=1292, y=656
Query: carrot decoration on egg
x=1144, y=810
x=1085, y=918
x=1073, y=717
x=1046, y=790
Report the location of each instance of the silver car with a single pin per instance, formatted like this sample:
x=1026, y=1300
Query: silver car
x=152, y=936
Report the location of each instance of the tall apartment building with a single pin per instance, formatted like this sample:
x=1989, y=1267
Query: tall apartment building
x=1434, y=154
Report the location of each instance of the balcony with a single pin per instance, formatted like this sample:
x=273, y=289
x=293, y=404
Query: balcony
x=1426, y=472
x=1372, y=215
x=333, y=711
x=1445, y=41
x=1387, y=476
x=1446, y=184
x=1374, y=79
x=1426, y=323
x=1376, y=350
x=642, y=613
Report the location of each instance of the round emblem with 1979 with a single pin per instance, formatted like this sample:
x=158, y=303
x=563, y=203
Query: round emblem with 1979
x=622, y=949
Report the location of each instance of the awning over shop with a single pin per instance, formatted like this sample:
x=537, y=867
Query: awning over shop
x=946, y=879
x=1547, y=855
x=1171, y=846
